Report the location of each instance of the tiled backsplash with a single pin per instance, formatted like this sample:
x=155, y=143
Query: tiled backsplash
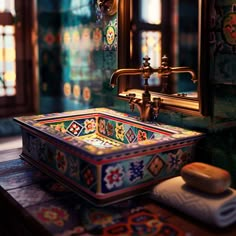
x=77, y=55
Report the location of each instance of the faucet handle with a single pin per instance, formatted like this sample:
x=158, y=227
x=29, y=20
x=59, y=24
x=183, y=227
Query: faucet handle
x=146, y=60
x=157, y=101
x=156, y=105
x=131, y=98
x=164, y=61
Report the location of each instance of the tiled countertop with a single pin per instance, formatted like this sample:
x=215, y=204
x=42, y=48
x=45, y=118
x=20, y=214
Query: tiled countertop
x=33, y=204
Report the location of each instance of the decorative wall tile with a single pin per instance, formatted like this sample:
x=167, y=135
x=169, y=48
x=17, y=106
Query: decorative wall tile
x=77, y=55
x=223, y=42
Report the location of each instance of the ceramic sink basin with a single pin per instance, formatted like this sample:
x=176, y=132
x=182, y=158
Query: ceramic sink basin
x=105, y=155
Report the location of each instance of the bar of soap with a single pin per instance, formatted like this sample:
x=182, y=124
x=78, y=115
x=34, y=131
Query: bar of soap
x=206, y=178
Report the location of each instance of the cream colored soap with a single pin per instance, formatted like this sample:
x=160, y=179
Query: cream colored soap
x=207, y=178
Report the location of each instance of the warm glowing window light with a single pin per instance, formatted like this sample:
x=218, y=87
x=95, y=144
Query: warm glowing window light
x=151, y=11
x=7, y=60
x=151, y=46
x=7, y=5
x=7, y=52
x=2, y=5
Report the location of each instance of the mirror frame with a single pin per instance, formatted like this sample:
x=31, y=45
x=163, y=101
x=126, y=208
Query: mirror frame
x=200, y=106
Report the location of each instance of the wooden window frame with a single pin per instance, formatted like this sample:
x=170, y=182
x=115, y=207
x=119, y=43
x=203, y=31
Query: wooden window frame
x=25, y=100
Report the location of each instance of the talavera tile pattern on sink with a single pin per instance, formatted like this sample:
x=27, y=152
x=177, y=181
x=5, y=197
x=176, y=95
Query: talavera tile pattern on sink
x=103, y=153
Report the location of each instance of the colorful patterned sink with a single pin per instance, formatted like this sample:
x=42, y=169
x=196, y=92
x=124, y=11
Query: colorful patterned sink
x=105, y=155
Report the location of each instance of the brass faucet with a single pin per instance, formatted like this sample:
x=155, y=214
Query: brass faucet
x=148, y=109
x=146, y=70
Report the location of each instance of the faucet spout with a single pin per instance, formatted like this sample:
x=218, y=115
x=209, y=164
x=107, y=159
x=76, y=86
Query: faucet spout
x=165, y=70
x=120, y=72
x=184, y=69
x=175, y=70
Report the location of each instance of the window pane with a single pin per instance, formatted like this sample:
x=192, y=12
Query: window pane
x=7, y=5
x=10, y=91
x=7, y=61
x=1, y=54
x=9, y=41
x=9, y=29
x=151, y=11
x=10, y=66
x=10, y=78
x=151, y=46
x=2, y=91
x=2, y=5
x=10, y=54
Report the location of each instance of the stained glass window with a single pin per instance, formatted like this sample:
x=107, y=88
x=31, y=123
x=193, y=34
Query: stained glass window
x=7, y=50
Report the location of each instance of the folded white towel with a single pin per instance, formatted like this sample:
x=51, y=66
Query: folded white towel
x=219, y=210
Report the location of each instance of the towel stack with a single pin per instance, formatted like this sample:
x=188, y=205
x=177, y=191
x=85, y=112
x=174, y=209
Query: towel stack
x=202, y=191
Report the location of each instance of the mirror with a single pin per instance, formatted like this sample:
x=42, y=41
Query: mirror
x=182, y=94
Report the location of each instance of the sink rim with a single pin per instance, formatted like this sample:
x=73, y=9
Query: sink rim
x=36, y=123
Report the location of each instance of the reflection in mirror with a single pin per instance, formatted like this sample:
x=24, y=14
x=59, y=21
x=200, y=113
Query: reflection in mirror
x=166, y=27
x=163, y=27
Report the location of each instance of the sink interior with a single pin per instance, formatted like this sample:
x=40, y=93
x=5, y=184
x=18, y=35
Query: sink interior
x=105, y=131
